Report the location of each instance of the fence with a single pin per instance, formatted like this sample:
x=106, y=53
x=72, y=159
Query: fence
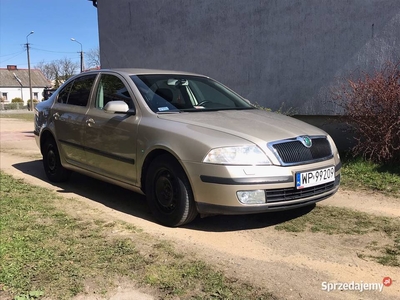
x=14, y=106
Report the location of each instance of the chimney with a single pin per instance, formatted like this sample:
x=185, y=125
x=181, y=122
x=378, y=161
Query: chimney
x=12, y=67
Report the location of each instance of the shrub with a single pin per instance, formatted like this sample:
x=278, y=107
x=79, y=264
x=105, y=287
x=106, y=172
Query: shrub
x=372, y=107
x=17, y=100
x=282, y=110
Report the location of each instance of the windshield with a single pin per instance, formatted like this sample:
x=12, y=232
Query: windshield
x=176, y=93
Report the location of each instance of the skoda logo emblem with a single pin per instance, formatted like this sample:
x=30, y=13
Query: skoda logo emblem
x=305, y=140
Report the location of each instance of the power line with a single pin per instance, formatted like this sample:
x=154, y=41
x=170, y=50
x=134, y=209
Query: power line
x=33, y=48
x=16, y=53
x=51, y=50
x=1, y=62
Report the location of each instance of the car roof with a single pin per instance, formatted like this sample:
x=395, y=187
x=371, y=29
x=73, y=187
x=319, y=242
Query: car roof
x=140, y=71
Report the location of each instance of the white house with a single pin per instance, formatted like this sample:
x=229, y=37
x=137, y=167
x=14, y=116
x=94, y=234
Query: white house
x=14, y=83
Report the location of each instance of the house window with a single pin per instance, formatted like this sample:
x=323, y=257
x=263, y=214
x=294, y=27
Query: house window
x=4, y=96
x=36, y=96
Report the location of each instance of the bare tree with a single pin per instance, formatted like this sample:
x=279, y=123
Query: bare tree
x=93, y=58
x=58, y=71
x=68, y=67
x=46, y=69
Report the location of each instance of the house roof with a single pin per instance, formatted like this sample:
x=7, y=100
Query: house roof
x=7, y=78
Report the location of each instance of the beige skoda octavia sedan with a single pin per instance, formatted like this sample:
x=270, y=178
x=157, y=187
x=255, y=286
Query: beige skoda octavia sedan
x=187, y=142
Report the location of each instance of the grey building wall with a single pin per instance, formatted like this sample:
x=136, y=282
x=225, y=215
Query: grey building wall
x=272, y=52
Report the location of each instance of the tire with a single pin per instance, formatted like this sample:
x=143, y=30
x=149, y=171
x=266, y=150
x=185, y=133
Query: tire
x=168, y=192
x=55, y=172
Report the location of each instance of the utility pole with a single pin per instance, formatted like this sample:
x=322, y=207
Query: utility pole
x=81, y=61
x=81, y=52
x=29, y=73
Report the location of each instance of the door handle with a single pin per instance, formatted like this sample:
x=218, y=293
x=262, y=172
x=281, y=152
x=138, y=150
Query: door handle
x=56, y=116
x=90, y=122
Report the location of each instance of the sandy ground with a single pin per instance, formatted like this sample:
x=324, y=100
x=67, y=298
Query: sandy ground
x=290, y=265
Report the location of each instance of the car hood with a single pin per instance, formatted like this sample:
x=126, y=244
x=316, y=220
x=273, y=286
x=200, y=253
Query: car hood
x=254, y=125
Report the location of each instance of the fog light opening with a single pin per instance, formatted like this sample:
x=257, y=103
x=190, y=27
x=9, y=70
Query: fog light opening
x=251, y=197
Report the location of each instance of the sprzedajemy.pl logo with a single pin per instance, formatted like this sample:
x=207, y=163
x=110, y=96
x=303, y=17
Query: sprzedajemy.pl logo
x=356, y=286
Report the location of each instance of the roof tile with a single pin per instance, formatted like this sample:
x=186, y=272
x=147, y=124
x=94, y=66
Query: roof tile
x=7, y=78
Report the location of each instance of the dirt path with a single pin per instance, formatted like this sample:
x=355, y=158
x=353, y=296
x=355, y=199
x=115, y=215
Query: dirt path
x=292, y=266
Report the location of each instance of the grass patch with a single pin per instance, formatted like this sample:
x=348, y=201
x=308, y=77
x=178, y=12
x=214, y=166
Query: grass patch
x=47, y=253
x=334, y=220
x=27, y=116
x=197, y=280
x=360, y=174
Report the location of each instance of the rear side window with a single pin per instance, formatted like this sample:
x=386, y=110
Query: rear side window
x=77, y=92
x=80, y=90
x=63, y=94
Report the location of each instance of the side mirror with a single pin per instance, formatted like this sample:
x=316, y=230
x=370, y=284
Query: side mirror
x=118, y=107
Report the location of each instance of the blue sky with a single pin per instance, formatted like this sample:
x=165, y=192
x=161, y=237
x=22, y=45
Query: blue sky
x=54, y=23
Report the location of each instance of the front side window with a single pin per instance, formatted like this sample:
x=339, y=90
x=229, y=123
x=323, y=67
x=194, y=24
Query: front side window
x=174, y=93
x=111, y=88
x=4, y=96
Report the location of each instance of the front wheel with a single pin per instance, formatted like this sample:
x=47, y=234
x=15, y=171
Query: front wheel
x=168, y=192
x=55, y=172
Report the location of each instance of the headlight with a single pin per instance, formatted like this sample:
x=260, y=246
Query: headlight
x=244, y=155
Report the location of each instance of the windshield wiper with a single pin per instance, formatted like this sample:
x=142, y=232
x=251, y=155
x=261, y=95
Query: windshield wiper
x=215, y=109
x=169, y=112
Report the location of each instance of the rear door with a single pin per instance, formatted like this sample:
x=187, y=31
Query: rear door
x=69, y=118
x=111, y=139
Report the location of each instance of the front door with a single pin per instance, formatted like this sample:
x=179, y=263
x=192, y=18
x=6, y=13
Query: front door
x=110, y=139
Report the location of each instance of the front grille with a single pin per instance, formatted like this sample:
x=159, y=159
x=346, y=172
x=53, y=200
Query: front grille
x=294, y=152
x=288, y=194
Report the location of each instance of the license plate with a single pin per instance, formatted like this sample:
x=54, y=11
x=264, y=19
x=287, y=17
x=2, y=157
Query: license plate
x=316, y=177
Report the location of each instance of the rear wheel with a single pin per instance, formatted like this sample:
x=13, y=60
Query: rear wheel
x=169, y=194
x=55, y=172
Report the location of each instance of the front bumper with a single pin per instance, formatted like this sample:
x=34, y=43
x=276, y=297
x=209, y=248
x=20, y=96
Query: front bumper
x=215, y=187
x=285, y=203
